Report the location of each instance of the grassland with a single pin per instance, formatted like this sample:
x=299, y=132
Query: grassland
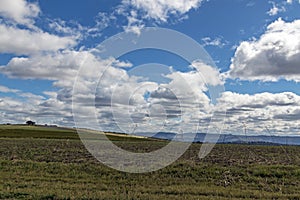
x=52, y=163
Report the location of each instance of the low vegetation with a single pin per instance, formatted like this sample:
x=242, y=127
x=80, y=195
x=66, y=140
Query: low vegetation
x=52, y=163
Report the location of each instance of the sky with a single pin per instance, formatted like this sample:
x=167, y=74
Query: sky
x=53, y=70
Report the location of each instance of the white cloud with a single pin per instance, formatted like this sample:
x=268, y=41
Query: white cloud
x=279, y=7
x=207, y=41
x=20, y=35
x=179, y=104
x=260, y=100
x=122, y=64
x=60, y=67
x=181, y=101
x=291, y=1
x=118, y=95
x=250, y=3
x=275, y=55
x=278, y=112
x=210, y=74
x=5, y=89
x=275, y=10
x=24, y=106
x=102, y=20
x=20, y=11
x=134, y=24
x=121, y=97
x=50, y=66
x=26, y=42
x=165, y=110
x=34, y=107
x=61, y=27
x=188, y=87
x=161, y=10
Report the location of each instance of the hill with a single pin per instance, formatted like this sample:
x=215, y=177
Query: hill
x=54, y=132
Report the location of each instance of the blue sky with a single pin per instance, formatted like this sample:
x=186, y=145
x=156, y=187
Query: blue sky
x=255, y=46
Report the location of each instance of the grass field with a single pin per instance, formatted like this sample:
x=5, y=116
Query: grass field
x=52, y=163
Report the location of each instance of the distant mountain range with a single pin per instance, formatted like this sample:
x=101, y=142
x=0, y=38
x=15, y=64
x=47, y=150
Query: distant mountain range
x=226, y=138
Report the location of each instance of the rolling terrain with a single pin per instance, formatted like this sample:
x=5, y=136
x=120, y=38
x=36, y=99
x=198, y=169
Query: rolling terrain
x=52, y=163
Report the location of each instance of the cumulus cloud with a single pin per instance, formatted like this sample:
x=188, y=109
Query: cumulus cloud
x=277, y=112
x=210, y=75
x=32, y=107
x=26, y=42
x=104, y=87
x=55, y=66
x=23, y=106
x=260, y=100
x=128, y=103
x=62, y=68
x=20, y=35
x=164, y=110
x=19, y=11
x=273, y=56
x=119, y=100
x=127, y=100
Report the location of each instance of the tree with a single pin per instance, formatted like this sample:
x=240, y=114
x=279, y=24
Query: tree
x=30, y=123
